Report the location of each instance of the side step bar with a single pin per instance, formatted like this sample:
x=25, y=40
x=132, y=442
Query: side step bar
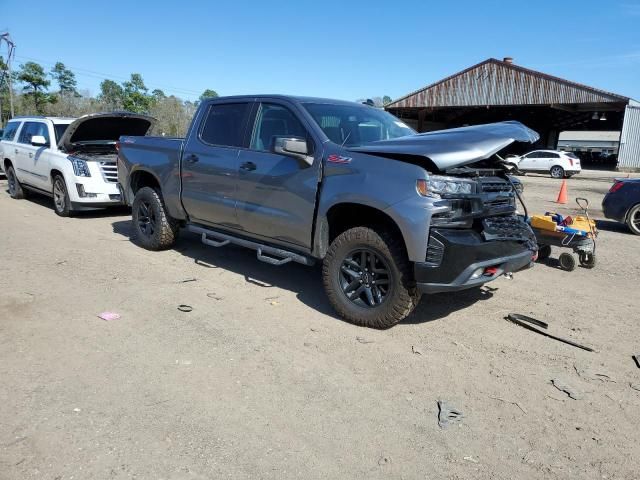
x=271, y=255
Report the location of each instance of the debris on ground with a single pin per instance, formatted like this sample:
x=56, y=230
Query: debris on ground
x=186, y=280
x=363, y=340
x=185, y=308
x=635, y=386
x=470, y=459
x=384, y=461
x=448, y=414
x=523, y=321
x=416, y=350
x=511, y=402
x=214, y=296
x=274, y=303
x=589, y=375
x=636, y=358
x=108, y=316
x=564, y=387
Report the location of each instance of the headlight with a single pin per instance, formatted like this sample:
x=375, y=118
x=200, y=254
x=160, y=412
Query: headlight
x=80, y=167
x=437, y=185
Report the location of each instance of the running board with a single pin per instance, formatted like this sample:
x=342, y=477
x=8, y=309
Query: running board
x=265, y=253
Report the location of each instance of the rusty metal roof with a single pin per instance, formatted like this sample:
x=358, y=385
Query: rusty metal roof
x=494, y=82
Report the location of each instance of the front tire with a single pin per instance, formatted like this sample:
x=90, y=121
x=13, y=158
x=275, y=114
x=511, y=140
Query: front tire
x=557, y=171
x=61, y=202
x=154, y=228
x=368, y=278
x=633, y=220
x=15, y=187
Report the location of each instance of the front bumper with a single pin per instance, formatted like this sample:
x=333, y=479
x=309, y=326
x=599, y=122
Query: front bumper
x=464, y=259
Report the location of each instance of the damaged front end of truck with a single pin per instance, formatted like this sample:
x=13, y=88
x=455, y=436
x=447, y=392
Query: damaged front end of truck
x=475, y=233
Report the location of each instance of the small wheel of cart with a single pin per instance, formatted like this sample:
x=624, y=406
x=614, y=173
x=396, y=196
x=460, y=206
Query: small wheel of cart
x=567, y=262
x=587, y=259
x=544, y=252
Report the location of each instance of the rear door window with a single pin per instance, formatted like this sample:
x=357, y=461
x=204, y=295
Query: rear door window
x=225, y=124
x=10, y=131
x=30, y=129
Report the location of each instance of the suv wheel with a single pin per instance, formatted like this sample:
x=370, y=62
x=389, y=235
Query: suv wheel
x=15, y=188
x=368, y=278
x=153, y=227
x=633, y=220
x=61, y=202
x=557, y=171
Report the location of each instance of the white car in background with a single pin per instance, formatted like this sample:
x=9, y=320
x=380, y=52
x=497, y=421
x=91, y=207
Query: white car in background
x=558, y=164
x=71, y=160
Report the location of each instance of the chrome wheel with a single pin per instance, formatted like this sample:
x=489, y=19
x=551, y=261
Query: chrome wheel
x=59, y=194
x=633, y=220
x=557, y=172
x=146, y=219
x=365, y=278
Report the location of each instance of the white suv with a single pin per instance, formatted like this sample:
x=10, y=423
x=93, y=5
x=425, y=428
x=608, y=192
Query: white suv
x=71, y=160
x=558, y=164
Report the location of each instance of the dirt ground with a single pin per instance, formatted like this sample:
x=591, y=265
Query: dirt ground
x=261, y=380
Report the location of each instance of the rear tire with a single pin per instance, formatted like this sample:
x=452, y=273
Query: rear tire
x=15, y=187
x=557, y=171
x=368, y=278
x=61, y=202
x=633, y=220
x=567, y=262
x=154, y=228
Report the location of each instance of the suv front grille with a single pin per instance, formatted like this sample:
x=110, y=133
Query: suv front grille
x=495, y=187
x=109, y=171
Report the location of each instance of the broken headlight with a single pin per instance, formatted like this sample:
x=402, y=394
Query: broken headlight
x=80, y=167
x=437, y=185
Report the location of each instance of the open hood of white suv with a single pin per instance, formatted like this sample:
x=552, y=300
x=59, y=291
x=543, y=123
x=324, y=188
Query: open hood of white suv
x=457, y=146
x=97, y=128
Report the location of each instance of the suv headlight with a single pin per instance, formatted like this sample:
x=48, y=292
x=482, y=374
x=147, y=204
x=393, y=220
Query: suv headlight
x=437, y=185
x=80, y=167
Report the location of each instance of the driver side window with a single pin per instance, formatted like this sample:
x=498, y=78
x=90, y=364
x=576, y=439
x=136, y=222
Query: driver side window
x=29, y=129
x=274, y=121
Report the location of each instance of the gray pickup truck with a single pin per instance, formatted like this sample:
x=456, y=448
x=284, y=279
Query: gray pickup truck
x=390, y=213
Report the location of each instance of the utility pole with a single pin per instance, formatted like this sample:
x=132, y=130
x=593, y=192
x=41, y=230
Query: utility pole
x=11, y=49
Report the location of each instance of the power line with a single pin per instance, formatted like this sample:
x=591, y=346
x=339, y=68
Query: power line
x=105, y=76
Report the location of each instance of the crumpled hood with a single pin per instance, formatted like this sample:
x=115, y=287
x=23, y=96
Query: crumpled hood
x=457, y=146
x=104, y=127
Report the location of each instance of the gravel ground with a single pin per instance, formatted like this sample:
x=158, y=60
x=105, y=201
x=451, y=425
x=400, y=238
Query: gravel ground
x=261, y=380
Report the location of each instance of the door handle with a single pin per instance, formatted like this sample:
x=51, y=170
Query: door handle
x=30, y=154
x=248, y=166
x=15, y=151
x=192, y=158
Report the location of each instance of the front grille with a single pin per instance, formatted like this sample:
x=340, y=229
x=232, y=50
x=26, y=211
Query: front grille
x=495, y=187
x=435, y=252
x=508, y=228
x=109, y=171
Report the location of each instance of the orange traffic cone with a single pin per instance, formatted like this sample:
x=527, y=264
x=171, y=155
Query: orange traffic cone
x=562, y=195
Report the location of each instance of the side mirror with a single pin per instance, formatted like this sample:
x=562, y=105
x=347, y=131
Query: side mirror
x=293, y=147
x=38, y=141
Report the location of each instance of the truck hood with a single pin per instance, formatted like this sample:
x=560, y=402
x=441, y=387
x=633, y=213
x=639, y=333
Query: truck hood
x=97, y=128
x=455, y=147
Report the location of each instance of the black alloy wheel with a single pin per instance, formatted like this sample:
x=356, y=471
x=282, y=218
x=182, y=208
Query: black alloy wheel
x=364, y=278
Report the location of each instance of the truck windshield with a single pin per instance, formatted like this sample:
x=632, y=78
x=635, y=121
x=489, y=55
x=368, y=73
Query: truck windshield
x=354, y=125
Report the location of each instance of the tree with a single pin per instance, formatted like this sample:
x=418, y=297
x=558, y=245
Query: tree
x=35, y=83
x=386, y=100
x=135, y=98
x=65, y=79
x=158, y=94
x=208, y=93
x=111, y=95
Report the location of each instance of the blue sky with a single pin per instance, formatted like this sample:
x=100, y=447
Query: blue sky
x=341, y=49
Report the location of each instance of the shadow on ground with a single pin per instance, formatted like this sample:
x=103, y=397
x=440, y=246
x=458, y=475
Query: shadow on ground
x=305, y=282
x=47, y=202
x=612, y=226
